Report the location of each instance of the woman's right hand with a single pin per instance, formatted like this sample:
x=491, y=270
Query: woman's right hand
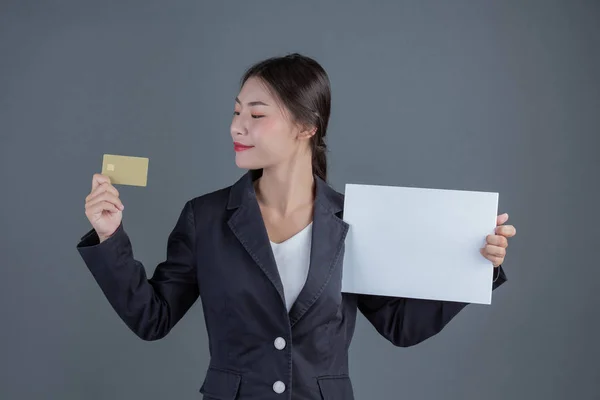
x=103, y=207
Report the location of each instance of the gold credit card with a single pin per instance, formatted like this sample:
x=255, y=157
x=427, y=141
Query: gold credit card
x=125, y=170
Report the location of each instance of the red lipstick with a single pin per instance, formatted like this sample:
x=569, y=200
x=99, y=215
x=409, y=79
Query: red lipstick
x=240, y=147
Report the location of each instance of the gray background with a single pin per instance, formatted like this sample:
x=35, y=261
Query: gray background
x=476, y=95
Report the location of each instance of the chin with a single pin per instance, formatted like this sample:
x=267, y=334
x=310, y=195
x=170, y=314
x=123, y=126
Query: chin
x=246, y=164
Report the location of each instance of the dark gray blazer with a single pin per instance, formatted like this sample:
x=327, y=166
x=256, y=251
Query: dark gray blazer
x=219, y=251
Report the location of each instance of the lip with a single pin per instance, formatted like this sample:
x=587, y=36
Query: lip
x=240, y=147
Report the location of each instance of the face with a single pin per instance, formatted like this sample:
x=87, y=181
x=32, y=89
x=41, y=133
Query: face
x=263, y=132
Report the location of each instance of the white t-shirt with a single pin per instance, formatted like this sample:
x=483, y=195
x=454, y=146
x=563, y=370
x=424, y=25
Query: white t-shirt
x=293, y=259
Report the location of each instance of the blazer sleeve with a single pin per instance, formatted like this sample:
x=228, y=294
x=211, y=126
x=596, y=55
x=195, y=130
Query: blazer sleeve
x=149, y=307
x=406, y=322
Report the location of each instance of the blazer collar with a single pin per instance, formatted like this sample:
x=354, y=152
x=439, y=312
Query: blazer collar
x=243, y=191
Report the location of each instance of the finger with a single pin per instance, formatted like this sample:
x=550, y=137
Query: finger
x=497, y=240
x=103, y=187
x=106, y=196
x=99, y=179
x=506, y=230
x=495, y=260
x=501, y=219
x=496, y=251
x=99, y=192
x=101, y=206
x=111, y=198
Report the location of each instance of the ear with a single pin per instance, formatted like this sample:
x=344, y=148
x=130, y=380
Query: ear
x=307, y=133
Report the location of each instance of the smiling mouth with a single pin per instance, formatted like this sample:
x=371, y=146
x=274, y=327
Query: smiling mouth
x=241, y=147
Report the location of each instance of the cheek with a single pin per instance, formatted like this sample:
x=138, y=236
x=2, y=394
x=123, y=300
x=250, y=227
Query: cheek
x=266, y=127
x=271, y=136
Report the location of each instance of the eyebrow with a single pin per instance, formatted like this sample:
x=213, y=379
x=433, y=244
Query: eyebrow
x=252, y=103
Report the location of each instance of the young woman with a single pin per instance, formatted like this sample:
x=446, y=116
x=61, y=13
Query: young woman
x=265, y=255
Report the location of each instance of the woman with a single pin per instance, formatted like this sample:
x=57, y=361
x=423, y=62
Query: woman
x=265, y=255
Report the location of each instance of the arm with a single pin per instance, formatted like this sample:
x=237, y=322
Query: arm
x=407, y=322
x=149, y=307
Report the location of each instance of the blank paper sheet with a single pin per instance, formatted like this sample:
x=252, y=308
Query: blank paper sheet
x=418, y=242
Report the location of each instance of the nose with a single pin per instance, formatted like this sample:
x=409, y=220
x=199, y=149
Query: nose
x=237, y=127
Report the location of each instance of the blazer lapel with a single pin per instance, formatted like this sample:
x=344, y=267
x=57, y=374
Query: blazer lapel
x=328, y=235
x=248, y=226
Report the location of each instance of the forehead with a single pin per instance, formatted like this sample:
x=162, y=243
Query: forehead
x=254, y=89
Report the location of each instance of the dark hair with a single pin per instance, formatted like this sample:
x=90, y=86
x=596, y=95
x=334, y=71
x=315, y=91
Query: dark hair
x=302, y=85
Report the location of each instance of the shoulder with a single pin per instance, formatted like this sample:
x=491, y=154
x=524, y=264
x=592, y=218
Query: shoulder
x=214, y=200
x=208, y=208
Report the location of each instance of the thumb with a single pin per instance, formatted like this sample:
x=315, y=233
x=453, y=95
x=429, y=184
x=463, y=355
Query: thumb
x=502, y=218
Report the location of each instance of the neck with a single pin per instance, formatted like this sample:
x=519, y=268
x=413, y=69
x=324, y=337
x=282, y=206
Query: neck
x=286, y=188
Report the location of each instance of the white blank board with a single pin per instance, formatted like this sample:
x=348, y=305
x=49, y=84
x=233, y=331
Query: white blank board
x=418, y=242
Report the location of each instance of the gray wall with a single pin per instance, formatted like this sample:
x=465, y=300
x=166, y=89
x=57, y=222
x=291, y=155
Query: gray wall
x=476, y=95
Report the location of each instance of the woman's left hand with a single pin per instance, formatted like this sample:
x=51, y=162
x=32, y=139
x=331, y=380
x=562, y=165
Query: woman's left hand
x=495, y=248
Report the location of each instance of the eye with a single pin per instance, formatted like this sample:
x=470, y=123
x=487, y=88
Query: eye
x=253, y=116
